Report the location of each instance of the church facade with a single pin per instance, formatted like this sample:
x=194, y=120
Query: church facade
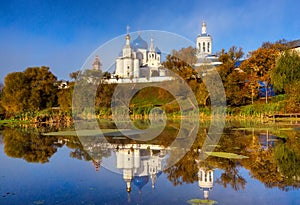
x=139, y=61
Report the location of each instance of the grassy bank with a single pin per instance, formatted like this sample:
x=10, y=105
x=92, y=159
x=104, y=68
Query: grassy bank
x=141, y=107
x=259, y=109
x=48, y=116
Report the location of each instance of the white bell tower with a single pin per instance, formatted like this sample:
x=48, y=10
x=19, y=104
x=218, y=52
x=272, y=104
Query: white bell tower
x=203, y=43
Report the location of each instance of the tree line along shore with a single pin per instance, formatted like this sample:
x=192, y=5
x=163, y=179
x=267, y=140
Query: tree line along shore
x=37, y=96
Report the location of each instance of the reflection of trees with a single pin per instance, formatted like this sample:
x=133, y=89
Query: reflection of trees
x=29, y=146
x=94, y=147
x=184, y=171
x=231, y=175
x=264, y=168
x=287, y=157
x=288, y=160
x=276, y=166
x=232, y=141
x=77, y=150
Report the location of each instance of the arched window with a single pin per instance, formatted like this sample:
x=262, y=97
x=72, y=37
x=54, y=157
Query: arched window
x=208, y=47
x=203, y=46
x=210, y=177
x=200, y=176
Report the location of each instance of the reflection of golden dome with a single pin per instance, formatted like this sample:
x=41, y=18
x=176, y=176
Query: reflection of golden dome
x=127, y=37
x=129, y=189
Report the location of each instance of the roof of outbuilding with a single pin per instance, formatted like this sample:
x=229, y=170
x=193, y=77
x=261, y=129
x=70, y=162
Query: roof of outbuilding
x=294, y=44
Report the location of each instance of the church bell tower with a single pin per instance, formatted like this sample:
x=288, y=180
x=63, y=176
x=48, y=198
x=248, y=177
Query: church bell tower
x=203, y=43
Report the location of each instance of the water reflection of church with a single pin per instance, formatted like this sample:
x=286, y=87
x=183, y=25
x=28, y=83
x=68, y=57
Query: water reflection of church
x=140, y=163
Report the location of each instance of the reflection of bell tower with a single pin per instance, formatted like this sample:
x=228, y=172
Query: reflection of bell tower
x=97, y=164
x=205, y=180
x=127, y=175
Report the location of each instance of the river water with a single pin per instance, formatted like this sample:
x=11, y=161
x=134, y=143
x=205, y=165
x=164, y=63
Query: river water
x=252, y=163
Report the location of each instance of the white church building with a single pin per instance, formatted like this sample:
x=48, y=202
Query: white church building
x=137, y=61
x=140, y=63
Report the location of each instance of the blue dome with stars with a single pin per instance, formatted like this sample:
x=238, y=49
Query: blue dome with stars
x=139, y=43
x=140, y=181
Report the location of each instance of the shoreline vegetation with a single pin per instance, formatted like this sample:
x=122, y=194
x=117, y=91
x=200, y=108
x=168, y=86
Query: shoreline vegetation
x=65, y=118
x=265, y=86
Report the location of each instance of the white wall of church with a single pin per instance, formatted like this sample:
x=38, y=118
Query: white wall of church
x=136, y=68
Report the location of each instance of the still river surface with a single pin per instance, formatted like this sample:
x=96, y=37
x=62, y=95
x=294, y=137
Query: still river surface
x=252, y=163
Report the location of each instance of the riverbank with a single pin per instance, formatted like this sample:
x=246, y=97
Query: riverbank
x=274, y=110
x=48, y=116
x=66, y=119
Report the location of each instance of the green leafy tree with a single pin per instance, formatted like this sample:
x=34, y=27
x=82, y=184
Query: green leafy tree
x=234, y=80
x=15, y=93
x=237, y=91
x=293, y=98
x=2, y=110
x=42, y=86
x=286, y=71
x=104, y=95
x=85, y=88
x=286, y=77
x=64, y=97
x=180, y=62
x=186, y=55
x=1, y=89
x=33, y=89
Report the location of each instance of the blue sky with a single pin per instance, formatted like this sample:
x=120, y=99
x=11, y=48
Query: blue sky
x=62, y=34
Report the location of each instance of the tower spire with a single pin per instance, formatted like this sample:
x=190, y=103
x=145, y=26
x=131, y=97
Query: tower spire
x=127, y=36
x=203, y=28
x=152, y=44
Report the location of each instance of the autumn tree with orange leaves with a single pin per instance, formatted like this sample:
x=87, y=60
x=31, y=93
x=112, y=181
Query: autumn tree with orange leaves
x=261, y=62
